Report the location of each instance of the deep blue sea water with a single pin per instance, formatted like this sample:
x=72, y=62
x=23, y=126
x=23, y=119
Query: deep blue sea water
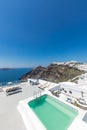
x=12, y=75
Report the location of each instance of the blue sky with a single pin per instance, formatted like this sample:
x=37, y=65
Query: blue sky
x=38, y=32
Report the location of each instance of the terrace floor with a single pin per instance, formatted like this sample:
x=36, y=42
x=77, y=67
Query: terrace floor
x=10, y=118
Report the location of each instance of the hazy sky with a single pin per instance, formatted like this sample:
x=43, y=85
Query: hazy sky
x=38, y=32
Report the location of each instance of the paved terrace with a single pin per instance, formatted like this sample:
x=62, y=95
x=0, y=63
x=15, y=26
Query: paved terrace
x=10, y=118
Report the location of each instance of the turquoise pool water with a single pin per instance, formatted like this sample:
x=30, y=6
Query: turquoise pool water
x=54, y=114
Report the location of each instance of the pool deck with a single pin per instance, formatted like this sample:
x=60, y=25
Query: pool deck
x=10, y=118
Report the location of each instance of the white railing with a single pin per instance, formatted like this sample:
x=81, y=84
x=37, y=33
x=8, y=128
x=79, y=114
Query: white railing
x=37, y=95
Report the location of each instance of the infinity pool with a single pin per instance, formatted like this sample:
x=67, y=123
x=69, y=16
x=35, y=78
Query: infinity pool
x=54, y=114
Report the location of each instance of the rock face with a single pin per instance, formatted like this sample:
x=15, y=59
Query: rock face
x=54, y=73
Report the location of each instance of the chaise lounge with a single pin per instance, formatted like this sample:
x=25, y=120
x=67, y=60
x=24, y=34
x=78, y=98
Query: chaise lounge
x=13, y=90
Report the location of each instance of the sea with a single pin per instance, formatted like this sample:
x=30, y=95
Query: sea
x=11, y=76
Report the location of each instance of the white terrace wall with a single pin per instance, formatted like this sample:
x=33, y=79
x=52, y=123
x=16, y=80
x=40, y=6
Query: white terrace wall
x=69, y=86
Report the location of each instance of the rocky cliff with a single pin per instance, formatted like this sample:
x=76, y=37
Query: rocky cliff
x=54, y=73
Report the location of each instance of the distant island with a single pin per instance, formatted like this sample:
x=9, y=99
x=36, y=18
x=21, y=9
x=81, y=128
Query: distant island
x=7, y=68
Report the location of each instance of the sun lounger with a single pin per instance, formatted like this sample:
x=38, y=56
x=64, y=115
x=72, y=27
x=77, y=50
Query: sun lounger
x=13, y=90
x=42, y=86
